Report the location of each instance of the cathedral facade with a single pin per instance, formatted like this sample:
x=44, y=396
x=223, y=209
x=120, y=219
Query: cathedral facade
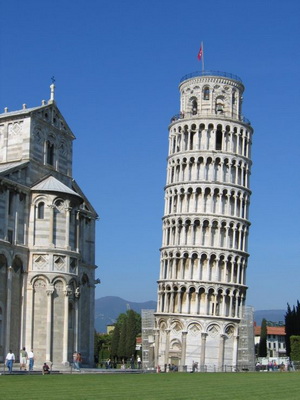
x=202, y=282
x=47, y=240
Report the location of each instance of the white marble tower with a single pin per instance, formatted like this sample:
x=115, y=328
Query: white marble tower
x=202, y=283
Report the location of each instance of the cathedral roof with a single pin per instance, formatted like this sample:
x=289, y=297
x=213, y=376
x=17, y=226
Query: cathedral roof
x=51, y=184
x=19, y=112
x=8, y=166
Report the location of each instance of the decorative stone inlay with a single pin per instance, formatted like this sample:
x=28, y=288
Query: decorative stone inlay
x=213, y=330
x=194, y=329
x=63, y=149
x=59, y=263
x=59, y=287
x=59, y=205
x=163, y=326
x=38, y=136
x=39, y=285
x=40, y=261
x=176, y=327
x=15, y=128
x=229, y=331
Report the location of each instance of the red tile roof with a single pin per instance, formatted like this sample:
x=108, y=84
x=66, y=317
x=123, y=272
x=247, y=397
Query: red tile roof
x=271, y=330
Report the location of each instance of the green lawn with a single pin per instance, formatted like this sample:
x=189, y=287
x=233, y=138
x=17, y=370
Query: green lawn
x=173, y=386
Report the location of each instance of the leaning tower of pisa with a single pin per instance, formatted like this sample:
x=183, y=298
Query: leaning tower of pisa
x=202, y=282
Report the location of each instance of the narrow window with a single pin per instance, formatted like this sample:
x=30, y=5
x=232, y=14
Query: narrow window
x=41, y=210
x=206, y=93
x=10, y=203
x=50, y=153
x=219, y=108
x=10, y=234
x=194, y=107
x=219, y=140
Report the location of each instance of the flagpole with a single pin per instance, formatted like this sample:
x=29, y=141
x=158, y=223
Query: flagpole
x=202, y=56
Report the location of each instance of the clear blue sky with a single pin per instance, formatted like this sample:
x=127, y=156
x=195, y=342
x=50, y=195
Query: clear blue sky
x=117, y=66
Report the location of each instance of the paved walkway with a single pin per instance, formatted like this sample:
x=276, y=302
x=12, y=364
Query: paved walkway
x=69, y=370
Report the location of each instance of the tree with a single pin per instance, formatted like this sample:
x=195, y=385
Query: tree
x=102, y=347
x=115, y=342
x=295, y=347
x=122, y=350
x=127, y=327
x=292, y=324
x=262, y=349
x=132, y=330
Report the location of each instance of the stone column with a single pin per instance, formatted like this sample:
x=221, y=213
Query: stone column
x=230, y=305
x=29, y=317
x=5, y=220
x=8, y=309
x=77, y=231
x=223, y=304
x=92, y=329
x=183, y=348
x=167, y=346
x=23, y=308
x=156, y=349
x=31, y=224
x=202, y=353
x=65, y=338
x=221, y=352
x=51, y=224
x=171, y=309
x=49, y=292
x=68, y=211
x=234, y=239
x=15, y=237
x=242, y=272
x=235, y=350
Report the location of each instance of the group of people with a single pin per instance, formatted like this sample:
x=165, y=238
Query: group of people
x=109, y=364
x=25, y=358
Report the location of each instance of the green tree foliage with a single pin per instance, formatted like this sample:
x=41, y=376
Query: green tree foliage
x=115, y=342
x=132, y=330
x=262, y=348
x=292, y=325
x=295, y=347
x=102, y=347
x=122, y=350
x=127, y=328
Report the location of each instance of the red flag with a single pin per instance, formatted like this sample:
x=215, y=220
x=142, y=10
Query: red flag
x=200, y=53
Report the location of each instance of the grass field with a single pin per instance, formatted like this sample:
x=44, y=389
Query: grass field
x=175, y=386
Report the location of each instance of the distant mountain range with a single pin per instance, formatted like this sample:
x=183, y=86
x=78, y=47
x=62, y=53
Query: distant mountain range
x=269, y=315
x=107, y=310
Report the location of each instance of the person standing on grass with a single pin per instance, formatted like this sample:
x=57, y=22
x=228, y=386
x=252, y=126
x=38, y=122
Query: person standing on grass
x=23, y=359
x=75, y=357
x=132, y=362
x=31, y=360
x=139, y=361
x=10, y=358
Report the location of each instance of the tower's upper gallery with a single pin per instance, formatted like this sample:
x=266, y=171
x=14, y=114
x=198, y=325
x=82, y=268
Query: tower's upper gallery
x=211, y=94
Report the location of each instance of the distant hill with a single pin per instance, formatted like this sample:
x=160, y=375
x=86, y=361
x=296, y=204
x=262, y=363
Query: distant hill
x=269, y=315
x=107, y=310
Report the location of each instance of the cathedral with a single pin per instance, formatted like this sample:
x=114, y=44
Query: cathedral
x=47, y=240
x=204, y=253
